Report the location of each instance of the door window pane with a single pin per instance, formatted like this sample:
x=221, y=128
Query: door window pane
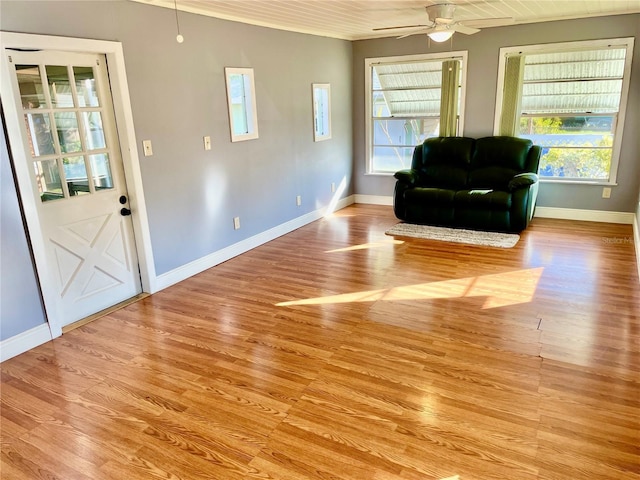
x=30, y=85
x=94, y=133
x=39, y=130
x=86, y=87
x=59, y=86
x=70, y=155
x=48, y=180
x=68, y=134
x=101, y=171
x=75, y=172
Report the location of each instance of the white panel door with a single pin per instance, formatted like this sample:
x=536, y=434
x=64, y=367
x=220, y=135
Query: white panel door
x=77, y=178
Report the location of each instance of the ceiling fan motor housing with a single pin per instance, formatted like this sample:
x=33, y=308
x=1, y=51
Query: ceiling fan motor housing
x=442, y=13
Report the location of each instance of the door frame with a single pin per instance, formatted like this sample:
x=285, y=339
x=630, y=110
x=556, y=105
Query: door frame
x=129, y=152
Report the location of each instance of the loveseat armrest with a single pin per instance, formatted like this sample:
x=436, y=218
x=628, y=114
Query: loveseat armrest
x=408, y=177
x=522, y=180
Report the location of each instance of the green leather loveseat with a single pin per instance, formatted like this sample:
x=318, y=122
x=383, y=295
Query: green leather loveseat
x=489, y=183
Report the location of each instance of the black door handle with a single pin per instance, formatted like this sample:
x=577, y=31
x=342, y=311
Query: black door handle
x=122, y=199
x=125, y=212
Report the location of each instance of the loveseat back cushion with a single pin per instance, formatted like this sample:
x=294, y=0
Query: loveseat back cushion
x=443, y=161
x=496, y=160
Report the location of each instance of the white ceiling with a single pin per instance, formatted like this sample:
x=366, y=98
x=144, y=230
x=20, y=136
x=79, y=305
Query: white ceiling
x=356, y=19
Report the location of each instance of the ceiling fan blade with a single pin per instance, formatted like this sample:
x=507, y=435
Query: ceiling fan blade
x=465, y=29
x=400, y=26
x=417, y=32
x=489, y=22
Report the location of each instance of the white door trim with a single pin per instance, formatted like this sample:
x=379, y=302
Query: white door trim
x=126, y=135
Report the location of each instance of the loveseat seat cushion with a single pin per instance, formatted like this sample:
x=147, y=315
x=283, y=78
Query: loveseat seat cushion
x=429, y=205
x=443, y=162
x=496, y=160
x=432, y=196
x=483, y=199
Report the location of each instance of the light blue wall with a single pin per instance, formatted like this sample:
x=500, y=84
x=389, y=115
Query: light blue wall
x=178, y=96
x=20, y=305
x=193, y=195
x=483, y=56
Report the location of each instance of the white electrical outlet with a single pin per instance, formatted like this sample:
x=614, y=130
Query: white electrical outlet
x=146, y=145
x=298, y=200
x=236, y=223
x=207, y=142
x=333, y=187
x=606, y=192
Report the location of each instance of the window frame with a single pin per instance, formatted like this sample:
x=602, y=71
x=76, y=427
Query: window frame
x=321, y=96
x=618, y=128
x=249, y=108
x=428, y=57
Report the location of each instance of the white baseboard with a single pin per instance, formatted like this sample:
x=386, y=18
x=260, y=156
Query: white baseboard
x=193, y=268
x=374, y=199
x=636, y=241
x=585, y=215
x=24, y=341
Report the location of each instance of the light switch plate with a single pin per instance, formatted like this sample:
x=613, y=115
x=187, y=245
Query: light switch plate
x=146, y=145
x=207, y=142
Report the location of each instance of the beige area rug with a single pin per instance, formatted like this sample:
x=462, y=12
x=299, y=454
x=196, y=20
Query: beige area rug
x=457, y=235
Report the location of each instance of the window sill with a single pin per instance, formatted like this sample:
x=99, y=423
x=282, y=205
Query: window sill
x=605, y=183
x=380, y=174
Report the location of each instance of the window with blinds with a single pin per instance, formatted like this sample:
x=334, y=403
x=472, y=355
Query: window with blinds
x=410, y=99
x=570, y=100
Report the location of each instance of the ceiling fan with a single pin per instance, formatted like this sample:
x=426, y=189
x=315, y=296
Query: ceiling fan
x=441, y=24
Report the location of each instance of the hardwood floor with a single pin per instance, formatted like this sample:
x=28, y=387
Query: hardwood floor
x=337, y=352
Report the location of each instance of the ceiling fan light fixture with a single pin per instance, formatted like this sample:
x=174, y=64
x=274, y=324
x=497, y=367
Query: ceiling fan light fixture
x=441, y=35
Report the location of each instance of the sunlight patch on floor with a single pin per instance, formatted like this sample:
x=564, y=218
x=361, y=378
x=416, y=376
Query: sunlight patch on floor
x=365, y=246
x=500, y=290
